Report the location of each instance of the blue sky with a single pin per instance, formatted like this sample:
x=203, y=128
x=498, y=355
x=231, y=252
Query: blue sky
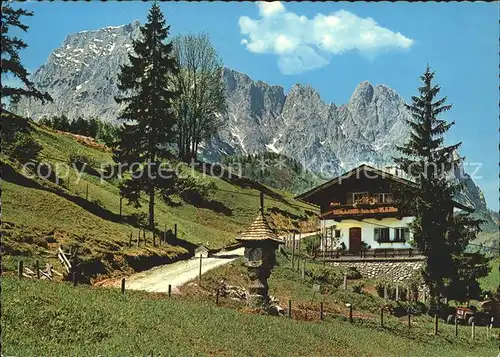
x=320, y=44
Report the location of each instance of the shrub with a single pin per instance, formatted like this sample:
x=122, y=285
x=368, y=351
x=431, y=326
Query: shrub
x=311, y=244
x=358, y=288
x=327, y=276
x=353, y=273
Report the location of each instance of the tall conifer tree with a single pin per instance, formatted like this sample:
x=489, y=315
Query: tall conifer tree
x=11, y=62
x=440, y=235
x=149, y=128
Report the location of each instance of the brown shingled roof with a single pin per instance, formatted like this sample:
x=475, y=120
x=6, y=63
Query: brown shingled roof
x=259, y=230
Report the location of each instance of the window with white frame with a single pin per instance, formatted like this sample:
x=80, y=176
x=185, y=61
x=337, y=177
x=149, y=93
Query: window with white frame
x=333, y=233
x=384, y=197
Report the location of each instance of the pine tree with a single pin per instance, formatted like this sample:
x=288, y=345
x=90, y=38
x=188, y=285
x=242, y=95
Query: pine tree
x=440, y=235
x=149, y=128
x=11, y=62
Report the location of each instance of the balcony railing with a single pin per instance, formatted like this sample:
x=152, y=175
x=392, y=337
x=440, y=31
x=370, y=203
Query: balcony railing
x=361, y=209
x=369, y=253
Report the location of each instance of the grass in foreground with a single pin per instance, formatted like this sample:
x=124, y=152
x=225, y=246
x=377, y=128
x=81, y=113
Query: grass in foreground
x=56, y=319
x=286, y=284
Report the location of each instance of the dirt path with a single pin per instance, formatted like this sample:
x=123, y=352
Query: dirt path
x=177, y=274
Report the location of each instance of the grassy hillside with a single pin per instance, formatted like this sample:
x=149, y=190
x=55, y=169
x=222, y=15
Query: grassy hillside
x=85, y=321
x=39, y=215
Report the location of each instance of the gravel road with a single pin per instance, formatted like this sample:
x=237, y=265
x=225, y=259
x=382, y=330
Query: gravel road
x=177, y=274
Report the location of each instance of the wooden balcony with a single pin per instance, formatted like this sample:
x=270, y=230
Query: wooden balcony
x=374, y=210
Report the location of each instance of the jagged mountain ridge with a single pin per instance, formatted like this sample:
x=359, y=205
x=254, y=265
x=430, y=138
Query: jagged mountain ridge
x=81, y=76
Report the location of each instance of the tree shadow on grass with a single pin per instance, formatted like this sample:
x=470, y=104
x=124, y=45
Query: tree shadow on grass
x=196, y=199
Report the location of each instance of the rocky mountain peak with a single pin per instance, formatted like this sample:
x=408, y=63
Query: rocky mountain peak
x=362, y=93
x=84, y=67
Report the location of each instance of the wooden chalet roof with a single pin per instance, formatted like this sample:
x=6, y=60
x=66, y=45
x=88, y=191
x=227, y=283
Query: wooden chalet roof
x=306, y=196
x=259, y=230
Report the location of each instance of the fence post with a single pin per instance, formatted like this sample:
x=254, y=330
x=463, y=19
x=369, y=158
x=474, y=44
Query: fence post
x=473, y=325
x=321, y=310
x=154, y=239
x=298, y=253
x=409, y=317
x=293, y=250
x=199, y=280
x=382, y=317
x=290, y=308
x=20, y=269
x=175, y=230
x=121, y=198
x=123, y=285
x=74, y=278
x=144, y=237
x=139, y=238
x=37, y=268
x=323, y=245
x=345, y=281
x=169, y=290
x=436, y=323
x=303, y=269
x=456, y=326
x=385, y=291
x=397, y=292
x=350, y=311
x=87, y=192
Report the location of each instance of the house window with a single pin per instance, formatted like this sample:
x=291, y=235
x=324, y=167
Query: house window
x=358, y=195
x=384, y=197
x=401, y=234
x=381, y=235
x=333, y=233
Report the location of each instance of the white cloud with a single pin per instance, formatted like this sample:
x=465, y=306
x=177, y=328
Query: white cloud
x=303, y=43
x=270, y=8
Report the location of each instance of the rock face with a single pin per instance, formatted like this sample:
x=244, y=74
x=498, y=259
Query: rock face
x=81, y=75
x=326, y=138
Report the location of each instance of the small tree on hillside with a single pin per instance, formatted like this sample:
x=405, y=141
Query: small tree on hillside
x=440, y=235
x=202, y=92
x=11, y=62
x=147, y=90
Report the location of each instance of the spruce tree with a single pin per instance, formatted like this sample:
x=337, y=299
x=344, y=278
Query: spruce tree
x=11, y=62
x=149, y=122
x=438, y=233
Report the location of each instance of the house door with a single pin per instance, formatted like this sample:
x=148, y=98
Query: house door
x=355, y=240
